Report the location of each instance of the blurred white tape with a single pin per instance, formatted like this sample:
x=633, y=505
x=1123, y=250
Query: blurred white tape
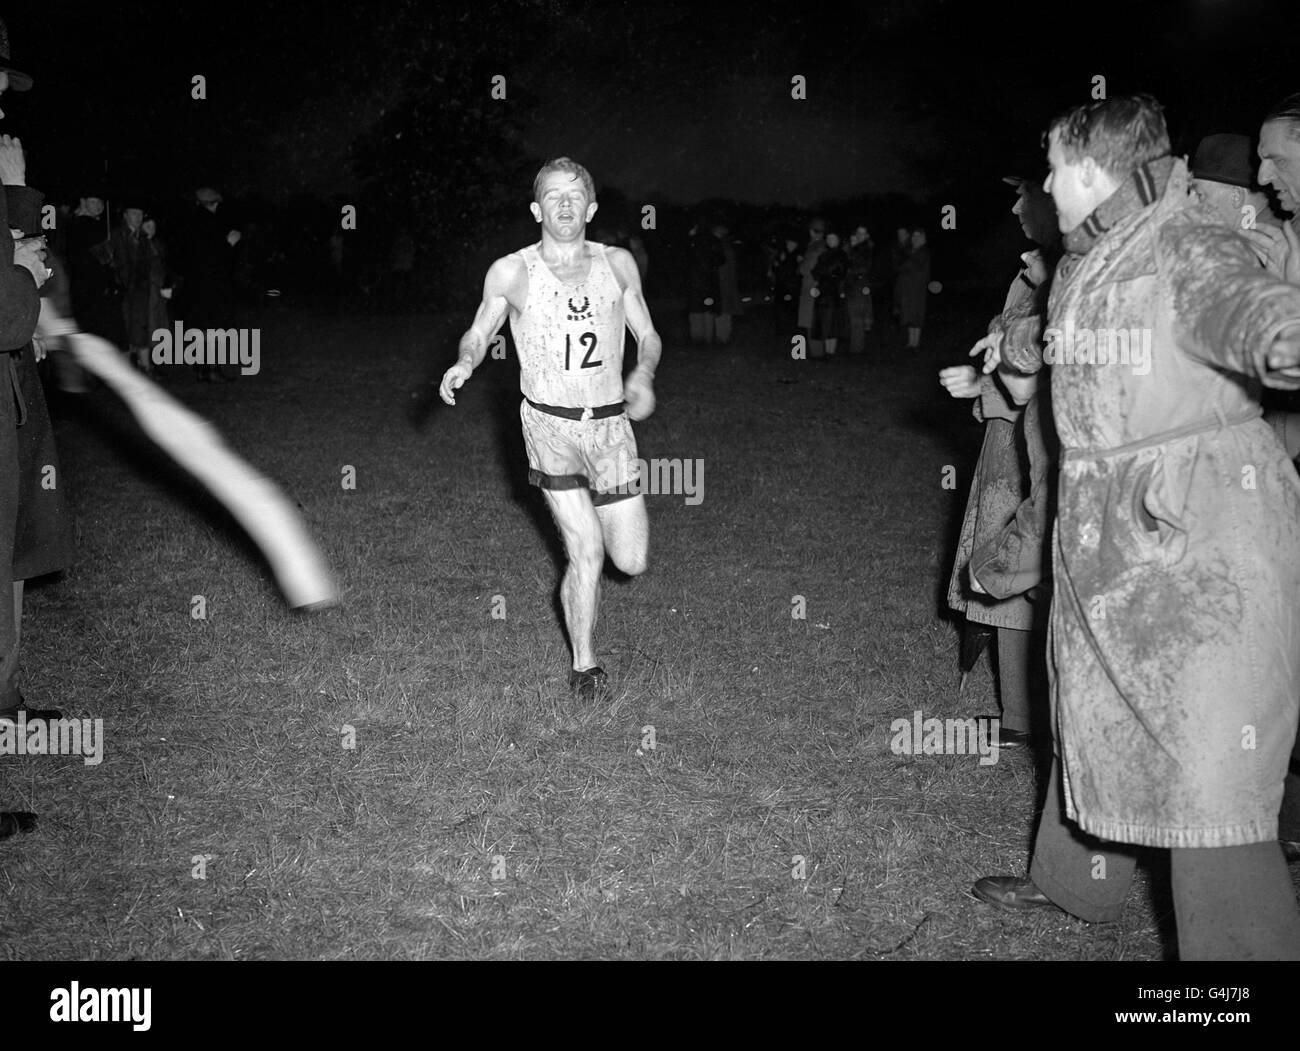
x=254, y=501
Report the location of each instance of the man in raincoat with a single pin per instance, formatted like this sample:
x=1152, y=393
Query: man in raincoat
x=1175, y=624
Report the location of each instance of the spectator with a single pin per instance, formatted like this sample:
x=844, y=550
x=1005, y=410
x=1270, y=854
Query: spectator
x=35, y=538
x=1162, y=742
x=857, y=289
x=993, y=525
x=910, y=287
x=807, y=301
x=209, y=272
x=830, y=313
x=160, y=277
x=703, y=291
x=785, y=287
x=129, y=253
x=94, y=290
x=728, y=301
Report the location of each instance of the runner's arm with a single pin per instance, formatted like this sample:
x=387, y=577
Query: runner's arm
x=648, y=344
x=491, y=313
x=489, y=317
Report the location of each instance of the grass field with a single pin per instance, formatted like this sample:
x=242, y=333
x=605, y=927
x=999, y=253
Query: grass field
x=482, y=813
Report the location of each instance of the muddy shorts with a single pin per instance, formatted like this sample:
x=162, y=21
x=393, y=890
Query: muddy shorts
x=596, y=454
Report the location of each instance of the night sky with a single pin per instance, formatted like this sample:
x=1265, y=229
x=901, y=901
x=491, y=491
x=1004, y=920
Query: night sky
x=665, y=100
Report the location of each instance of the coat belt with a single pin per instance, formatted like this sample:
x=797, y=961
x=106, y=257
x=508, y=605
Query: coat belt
x=1214, y=423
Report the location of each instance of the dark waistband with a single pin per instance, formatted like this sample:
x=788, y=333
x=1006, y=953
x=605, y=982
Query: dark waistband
x=599, y=412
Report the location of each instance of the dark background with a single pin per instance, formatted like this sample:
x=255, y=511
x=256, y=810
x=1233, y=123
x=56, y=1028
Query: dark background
x=911, y=105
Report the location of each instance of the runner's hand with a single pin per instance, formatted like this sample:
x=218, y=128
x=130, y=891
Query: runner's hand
x=961, y=381
x=452, y=380
x=638, y=393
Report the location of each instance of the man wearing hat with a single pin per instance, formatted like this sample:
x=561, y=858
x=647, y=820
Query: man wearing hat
x=208, y=269
x=129, y=250
x=1223, y=177
x=34, y=534
x=1222, y=171
x=992, y=529
x=1175, y=613
x=93, y=290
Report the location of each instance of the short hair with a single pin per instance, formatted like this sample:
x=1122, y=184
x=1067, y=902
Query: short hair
x=1120, y=134
x=569, y=166
x=1287, y=109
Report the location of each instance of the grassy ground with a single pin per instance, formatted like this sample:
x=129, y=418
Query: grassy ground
x=482, y=813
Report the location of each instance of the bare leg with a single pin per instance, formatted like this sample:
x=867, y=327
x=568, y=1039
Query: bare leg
x=580, y=590
x=626, y=532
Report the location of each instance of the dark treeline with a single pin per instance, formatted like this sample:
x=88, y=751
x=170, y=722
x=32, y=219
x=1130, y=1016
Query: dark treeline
x=395, y=258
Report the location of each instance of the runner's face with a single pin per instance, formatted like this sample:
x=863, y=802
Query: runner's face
x=1068, y=186
x=563, y=209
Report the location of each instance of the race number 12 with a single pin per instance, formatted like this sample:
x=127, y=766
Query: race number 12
x=588, y=340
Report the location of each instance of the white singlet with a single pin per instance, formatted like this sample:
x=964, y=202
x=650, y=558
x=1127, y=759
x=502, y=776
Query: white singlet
x=570, y=337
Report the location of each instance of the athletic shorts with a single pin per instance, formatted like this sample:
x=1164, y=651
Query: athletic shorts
x=597, y=455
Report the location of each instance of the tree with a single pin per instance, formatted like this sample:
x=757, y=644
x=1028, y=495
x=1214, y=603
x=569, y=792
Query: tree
x=447, y=164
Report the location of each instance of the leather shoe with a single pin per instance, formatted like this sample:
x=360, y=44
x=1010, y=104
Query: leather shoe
x=1011, y=893
x=33, y=715
x=1290, y=851
x=589, y=685
x=1017, y=739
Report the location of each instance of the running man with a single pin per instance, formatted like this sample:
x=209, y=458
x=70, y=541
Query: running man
x=568, y=299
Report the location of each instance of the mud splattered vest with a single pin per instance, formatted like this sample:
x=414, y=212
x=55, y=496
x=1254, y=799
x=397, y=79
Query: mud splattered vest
x=570, y=337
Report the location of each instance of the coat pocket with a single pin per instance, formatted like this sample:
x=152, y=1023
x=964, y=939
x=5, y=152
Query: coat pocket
x=1159, y=505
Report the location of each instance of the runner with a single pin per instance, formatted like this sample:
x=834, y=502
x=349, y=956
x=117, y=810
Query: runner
x=568, y=300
